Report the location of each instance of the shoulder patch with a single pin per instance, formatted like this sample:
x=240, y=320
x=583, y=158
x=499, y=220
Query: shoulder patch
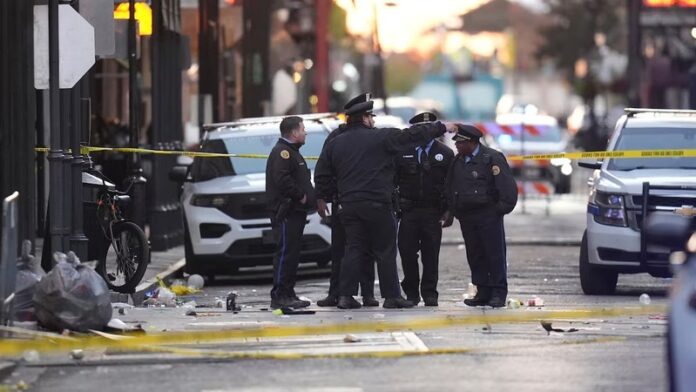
x=496, y=170
x=439, y=157
x=285, y=154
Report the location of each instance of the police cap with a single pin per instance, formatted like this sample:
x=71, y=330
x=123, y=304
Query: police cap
x=467, y=132
x=362, y=104
x=423, y=117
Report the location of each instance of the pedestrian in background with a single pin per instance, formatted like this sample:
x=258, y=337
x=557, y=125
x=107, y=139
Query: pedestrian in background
x=481, y=190
x=361, y=161
x=420, y=179
x=291, y=195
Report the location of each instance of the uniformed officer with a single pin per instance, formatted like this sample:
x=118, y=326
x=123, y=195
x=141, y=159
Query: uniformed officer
x=420, y=178
x=361, y=161
x=291, y=195
x=338, y=245
x=481, y=190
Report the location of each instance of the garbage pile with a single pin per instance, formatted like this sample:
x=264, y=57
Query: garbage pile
x=72, y=296
x=29, y=273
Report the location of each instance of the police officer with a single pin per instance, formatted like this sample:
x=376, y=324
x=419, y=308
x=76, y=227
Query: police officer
x=338, y=245
x=481, y=190
x=290, y=193
x=420, y=178
x=361, y=160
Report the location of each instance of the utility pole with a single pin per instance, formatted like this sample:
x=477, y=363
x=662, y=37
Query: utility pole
x=136, y=181
x=78, y=110
x=321, y=73
x=56, y=200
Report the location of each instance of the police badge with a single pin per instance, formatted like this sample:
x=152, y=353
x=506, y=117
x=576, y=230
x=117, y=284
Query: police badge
x=439, y=157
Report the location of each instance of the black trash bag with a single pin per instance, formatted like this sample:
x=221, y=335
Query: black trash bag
x=72, y=296
x=29, y=273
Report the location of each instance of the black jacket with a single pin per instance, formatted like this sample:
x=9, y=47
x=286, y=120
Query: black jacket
x=361, y=160
x=330, y=190
x=424, y=182
x=483, y=186
x=288, y=177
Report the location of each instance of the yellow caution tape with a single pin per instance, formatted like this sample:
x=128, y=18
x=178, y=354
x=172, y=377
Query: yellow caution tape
x=14, y=347
x=628, y=154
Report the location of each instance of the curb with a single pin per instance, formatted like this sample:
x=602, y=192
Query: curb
x=139, y=294
x=525, y=242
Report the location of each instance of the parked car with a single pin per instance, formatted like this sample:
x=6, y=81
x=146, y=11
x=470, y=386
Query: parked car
x=542, y=135
x=227, y=225
x=623, y=192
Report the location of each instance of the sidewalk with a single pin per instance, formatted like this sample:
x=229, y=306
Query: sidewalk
x=559, y=222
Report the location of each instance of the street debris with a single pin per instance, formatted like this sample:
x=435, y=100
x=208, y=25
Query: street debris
x=196, y=282
x=290, y=311
x=77, y=354
x=351, y=339
x=549, y=328
x=191, y=312
x=535, y=301
x=644, y=299
x=231, y=303
x=29, y=273
x=470, y=291
x=378, y=316
x=161, y=296
x=72, y=296
x=31, y=356
x=513, y=303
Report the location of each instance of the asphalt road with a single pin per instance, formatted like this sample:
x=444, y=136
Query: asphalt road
x=618, y=354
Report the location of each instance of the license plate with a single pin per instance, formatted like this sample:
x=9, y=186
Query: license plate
x=267, y=237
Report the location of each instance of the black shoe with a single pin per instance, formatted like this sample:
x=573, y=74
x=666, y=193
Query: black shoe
x=430, y=301
x=397, y=303
x=370, y=301
x=414, y=300
x=297, y=303
x=476, y=301
x=348, y=302
x=329, y=301
x=496, y=302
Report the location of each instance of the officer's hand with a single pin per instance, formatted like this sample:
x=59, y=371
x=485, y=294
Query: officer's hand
x=322, y=208
x=451, y=127
x=304, y=199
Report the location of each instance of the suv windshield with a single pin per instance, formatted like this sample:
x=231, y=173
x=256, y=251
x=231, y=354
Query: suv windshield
x=654, y=139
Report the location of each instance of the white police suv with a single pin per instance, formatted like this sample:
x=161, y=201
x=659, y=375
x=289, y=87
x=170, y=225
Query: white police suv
x=227, y=225
x=624, y=191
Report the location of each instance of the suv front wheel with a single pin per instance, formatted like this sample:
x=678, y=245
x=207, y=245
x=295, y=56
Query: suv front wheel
x=594, y=280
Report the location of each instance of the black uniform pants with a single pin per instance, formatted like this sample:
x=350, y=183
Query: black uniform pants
x=420, y=230
x=370, y=232
x=288, y=235
x=338, y=250
x=486, y=252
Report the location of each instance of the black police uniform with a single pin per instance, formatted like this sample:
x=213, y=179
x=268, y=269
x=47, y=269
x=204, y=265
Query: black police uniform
x=288, y=180
x=338, y=244
x=361, y=160
x=481, y=191
x=421, y=185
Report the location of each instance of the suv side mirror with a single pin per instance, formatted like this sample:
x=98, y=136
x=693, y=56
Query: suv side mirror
x=596, y=165
x=670, y=231
x=179, y=174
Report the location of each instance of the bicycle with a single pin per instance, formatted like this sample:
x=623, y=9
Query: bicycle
x=125, y=260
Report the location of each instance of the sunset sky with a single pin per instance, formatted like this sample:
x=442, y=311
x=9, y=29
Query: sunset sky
x=401, y=25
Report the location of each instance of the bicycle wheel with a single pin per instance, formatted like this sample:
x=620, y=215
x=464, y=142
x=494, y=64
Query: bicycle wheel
x=126, y=260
